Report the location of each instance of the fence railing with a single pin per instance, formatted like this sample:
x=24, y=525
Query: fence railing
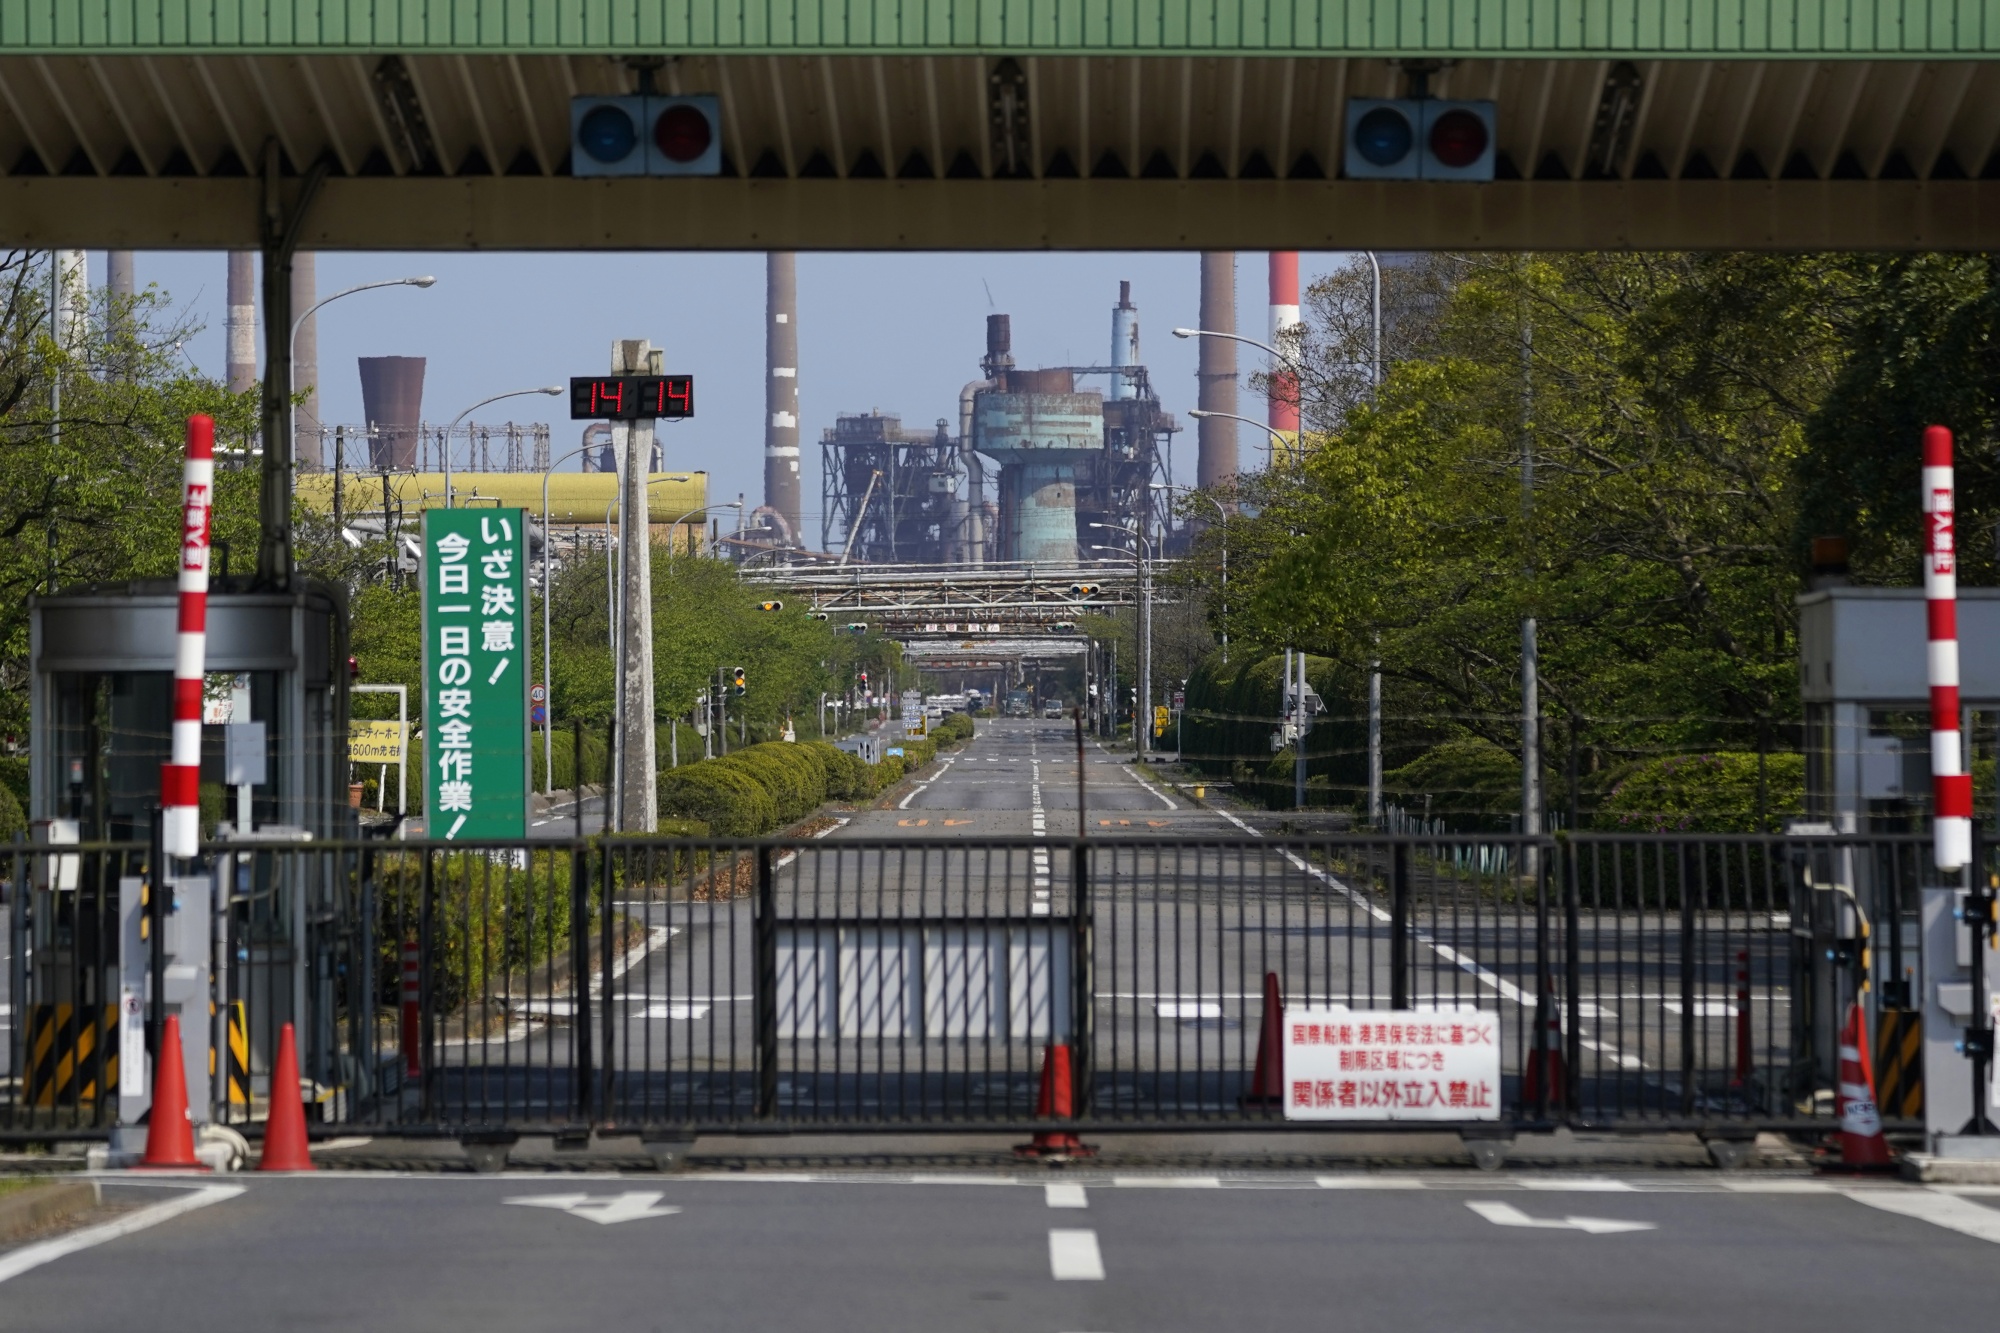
x=678, y=986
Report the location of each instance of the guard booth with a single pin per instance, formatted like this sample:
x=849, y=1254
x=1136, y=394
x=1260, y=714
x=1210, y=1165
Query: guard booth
x=274, y=751
x=1864, y=681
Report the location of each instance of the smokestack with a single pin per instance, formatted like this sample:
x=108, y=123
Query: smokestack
x=999, y=347
x=306, y=453
x=70, y=301
x=1284, y=416
x=392, y=401
x=781, y=386
x=1124, y=342
x=118, y=274
x=240, y=324
x=1215, y=372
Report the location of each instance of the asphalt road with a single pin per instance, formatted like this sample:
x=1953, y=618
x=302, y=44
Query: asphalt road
x=995, y=784
x=1133, y=1255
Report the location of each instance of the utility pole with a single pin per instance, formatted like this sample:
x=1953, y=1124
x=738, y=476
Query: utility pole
x=637, y=742
x=1301, y=721
x=1375, y=746
x=1142, y=723
x=1531, y=696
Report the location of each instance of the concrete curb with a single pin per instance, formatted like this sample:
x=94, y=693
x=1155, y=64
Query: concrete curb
x=33, y=1208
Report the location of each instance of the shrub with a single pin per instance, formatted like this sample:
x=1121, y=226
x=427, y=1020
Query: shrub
x=13, y=822
x=1703, y=793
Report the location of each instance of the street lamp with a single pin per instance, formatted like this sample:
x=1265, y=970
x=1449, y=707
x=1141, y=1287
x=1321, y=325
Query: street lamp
x=552, y=390
x=292, y=343
x=1145, y=717
x=1224, y=513
x=698, y=509
x=1277, y=440
x=1265, y=348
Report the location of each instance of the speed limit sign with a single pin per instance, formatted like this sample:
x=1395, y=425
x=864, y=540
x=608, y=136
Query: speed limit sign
x=538, y=694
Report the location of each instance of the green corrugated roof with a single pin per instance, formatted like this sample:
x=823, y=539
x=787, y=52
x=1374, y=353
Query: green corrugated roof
x=1756, y=29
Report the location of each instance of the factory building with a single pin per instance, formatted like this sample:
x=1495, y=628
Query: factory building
x=1037, y=459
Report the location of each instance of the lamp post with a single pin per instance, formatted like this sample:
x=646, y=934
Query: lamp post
x=548, y=683
x=292, y=341
x=1144, y=717
x=1277, y=440
x=552, y=390
x=1224, y=514
x=698, y=509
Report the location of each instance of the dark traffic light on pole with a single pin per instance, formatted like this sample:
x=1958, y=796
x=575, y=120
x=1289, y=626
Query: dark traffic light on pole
x=771, y=606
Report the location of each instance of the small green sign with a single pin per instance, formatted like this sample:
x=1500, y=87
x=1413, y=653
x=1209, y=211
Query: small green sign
x=475, y=676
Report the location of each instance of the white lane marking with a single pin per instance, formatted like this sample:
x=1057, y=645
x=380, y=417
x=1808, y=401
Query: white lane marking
x=1507, y=1215
x=1165, y=799
x=627, y=1207
x=34, y=1256
x=1943, y=1210
x=1066, y=1196
x=1581, y=1185
x=1368, y=1183
x=1777, y=1187
x=1168, y=1182
x=677, y=1012
x=1073, y=1256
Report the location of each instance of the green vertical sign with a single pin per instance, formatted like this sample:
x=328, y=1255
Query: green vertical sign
x=475, y=673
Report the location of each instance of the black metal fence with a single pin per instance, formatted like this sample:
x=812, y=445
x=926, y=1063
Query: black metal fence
x=633, y=985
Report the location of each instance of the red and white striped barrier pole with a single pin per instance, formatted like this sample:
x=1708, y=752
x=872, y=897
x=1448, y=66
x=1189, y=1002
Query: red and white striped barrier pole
x=1951, y=785
x=180, y=776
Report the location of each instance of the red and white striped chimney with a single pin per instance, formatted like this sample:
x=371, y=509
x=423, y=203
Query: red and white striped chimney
x=180, y=776
x=1284, y=315
x=1951, y=785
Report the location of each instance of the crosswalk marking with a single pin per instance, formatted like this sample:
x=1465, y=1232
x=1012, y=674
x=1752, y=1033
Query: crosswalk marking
x=1074, y=1257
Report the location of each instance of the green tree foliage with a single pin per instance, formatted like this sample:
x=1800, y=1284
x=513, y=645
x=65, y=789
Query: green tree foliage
x=91, y=490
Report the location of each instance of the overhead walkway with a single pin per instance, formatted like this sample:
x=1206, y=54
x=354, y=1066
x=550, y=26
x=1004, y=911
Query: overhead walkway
x=995, y=124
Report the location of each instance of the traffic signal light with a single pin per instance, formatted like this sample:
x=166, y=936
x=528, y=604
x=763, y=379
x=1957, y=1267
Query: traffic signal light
x=815, y=615
x=856, y=627
x=645, y=135
x=771, y=606
x=1083, y=590
x=1418, y=138
x=864, y=678
x=736, y=679
x=1064, y=627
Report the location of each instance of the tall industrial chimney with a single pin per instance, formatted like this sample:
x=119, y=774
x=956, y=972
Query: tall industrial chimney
x=392, y=401
x=1284, y=415
x=119, y=275
x=781, y=385
x=306, y=453
x=240, y=324
x=1215, y=372
x=1124, y=342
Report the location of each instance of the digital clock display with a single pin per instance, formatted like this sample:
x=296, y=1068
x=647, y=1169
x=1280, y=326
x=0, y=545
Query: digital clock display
x=630, y=397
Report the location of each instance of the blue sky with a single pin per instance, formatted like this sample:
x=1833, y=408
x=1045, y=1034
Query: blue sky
x=895, y=332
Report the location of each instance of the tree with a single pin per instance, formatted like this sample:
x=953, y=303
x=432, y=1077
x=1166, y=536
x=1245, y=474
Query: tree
x=91, y=492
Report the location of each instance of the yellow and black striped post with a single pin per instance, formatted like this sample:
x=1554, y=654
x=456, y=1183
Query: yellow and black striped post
x=72, y=1061
x=239, y=1056
x=1899, y=1064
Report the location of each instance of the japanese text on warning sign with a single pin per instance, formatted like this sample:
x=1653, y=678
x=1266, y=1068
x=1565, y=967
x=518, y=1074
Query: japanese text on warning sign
x=1382, y=1064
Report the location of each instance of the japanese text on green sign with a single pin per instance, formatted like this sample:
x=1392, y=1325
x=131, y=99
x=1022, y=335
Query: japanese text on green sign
x=475, y=681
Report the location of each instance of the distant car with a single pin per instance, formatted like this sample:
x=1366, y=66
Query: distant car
x=1053, y=708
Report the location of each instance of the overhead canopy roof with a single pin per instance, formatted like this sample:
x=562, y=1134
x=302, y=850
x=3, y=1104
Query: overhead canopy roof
x=445, y=123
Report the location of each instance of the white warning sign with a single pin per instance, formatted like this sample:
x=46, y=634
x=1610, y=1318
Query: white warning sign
x=1391, y=1064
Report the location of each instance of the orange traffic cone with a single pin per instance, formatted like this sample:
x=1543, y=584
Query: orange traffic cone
x=1267, y=1084
x=1862, y=1147
x=1056, y=1102
x=285, y=1131
x=1547, y=1066
x=169, y=1131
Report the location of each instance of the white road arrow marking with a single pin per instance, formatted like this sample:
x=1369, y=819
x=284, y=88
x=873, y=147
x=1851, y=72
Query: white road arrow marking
x=1507, y=1215
x=627, y=1207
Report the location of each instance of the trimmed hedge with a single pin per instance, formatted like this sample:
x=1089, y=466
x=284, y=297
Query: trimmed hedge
x=760, y=789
